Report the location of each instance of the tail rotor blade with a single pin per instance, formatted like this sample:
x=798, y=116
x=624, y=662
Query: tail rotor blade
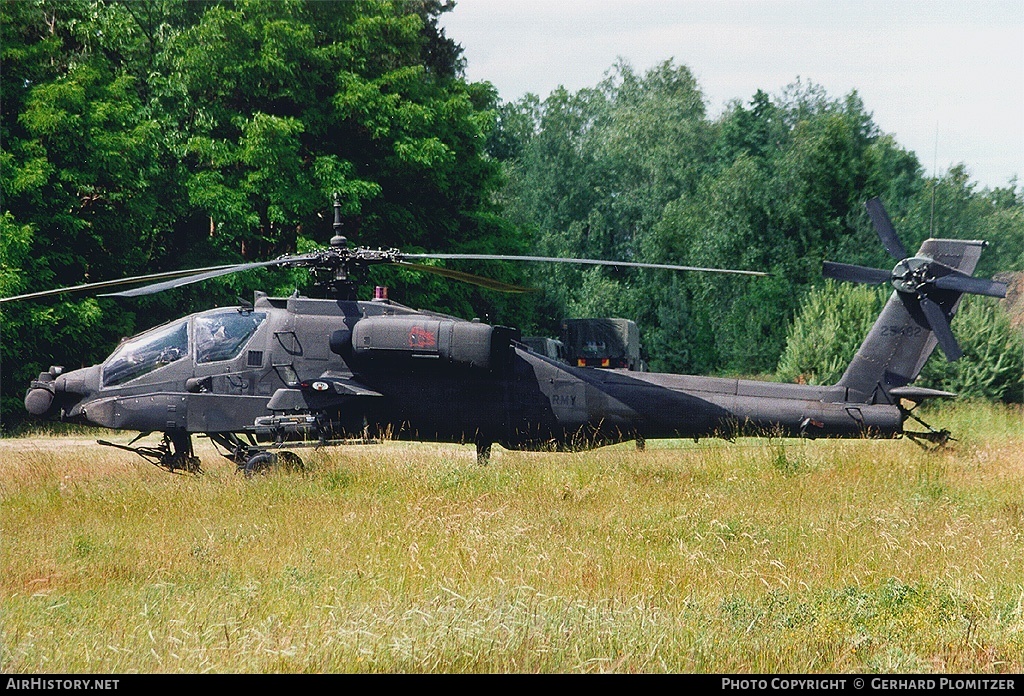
x=856, y=274
x=940, y=326
x=886, y=232
x=976, y=286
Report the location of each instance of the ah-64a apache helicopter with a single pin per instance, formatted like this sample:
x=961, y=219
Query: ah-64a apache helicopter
x=287, y=372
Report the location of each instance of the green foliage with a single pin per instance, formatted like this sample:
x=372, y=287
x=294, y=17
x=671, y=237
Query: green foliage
x=823, y=337
x=993, y=363
x=590, y=173
x=161, y=134
x=632, y=169
x=15, y=241
x=601, y=296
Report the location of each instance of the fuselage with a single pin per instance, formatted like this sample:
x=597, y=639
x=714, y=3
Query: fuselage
x=290, y=368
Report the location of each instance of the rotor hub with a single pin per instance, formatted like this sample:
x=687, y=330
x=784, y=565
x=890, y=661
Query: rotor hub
x=911, y=274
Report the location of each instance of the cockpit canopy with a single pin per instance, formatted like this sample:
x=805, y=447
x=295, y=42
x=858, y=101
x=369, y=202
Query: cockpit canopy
x=215, y=335
x=222, y=335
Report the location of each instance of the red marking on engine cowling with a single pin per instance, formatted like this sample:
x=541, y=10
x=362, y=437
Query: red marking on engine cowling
x=421, y=338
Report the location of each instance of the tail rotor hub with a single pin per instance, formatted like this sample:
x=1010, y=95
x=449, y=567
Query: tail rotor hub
x=911, y=274
x=934, y=288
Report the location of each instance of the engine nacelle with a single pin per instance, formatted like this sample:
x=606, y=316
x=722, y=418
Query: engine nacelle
x=415, y=340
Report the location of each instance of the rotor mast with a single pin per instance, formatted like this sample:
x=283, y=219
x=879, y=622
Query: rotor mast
x=341, y=287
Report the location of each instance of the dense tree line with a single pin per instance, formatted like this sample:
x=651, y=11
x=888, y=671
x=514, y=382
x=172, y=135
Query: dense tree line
x=152, y=135
x=634, y=169
x=161, y=134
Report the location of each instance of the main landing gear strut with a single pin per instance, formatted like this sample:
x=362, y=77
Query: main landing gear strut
x=173, y=454
x=176, y=455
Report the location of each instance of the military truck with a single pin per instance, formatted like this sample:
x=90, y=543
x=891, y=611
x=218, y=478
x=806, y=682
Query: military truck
x=610, y=343
x=548, y=347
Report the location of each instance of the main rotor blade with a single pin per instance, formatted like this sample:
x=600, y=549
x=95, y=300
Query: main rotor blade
x=886, y=232
x=188, y=280
x=940, y=325
x=965, y=283
x=483, y=282
x=856, y=274
x=594, y=262
x=99, y=285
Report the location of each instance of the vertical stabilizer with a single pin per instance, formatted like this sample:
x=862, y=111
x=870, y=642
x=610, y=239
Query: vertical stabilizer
x=902, y=338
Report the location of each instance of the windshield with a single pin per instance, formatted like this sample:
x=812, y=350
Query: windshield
x=221, y=336
x=597, y=338
x=147, y=352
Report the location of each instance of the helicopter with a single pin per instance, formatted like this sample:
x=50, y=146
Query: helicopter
x=281, y=373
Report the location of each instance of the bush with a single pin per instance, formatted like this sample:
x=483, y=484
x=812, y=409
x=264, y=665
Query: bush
x=831, y=324
x=993, y=363
x=834, y=319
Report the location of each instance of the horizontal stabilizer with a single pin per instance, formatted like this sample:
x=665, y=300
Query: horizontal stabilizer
x=918, y=394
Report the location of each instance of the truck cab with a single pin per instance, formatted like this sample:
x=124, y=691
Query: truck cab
x=611, y=343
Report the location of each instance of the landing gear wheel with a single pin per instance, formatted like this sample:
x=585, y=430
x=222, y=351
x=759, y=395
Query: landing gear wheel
x=289, y=461
x=261, y=464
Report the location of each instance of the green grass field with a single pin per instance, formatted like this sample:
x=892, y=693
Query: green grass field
x=763, y=556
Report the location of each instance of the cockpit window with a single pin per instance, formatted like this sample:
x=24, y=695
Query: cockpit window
x=146, y=353
x=222, y=336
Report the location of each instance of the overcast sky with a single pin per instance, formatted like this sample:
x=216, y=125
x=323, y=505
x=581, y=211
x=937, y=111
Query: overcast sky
x=945, y=77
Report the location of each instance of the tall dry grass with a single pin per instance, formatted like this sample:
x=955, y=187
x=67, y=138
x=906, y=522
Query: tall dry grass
x=757, y=556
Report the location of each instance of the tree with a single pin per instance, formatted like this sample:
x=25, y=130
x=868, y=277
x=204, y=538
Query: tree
x=154, y=135
x=590, y=174
x=79, y=151
x=632, y=169
x=992, y=366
